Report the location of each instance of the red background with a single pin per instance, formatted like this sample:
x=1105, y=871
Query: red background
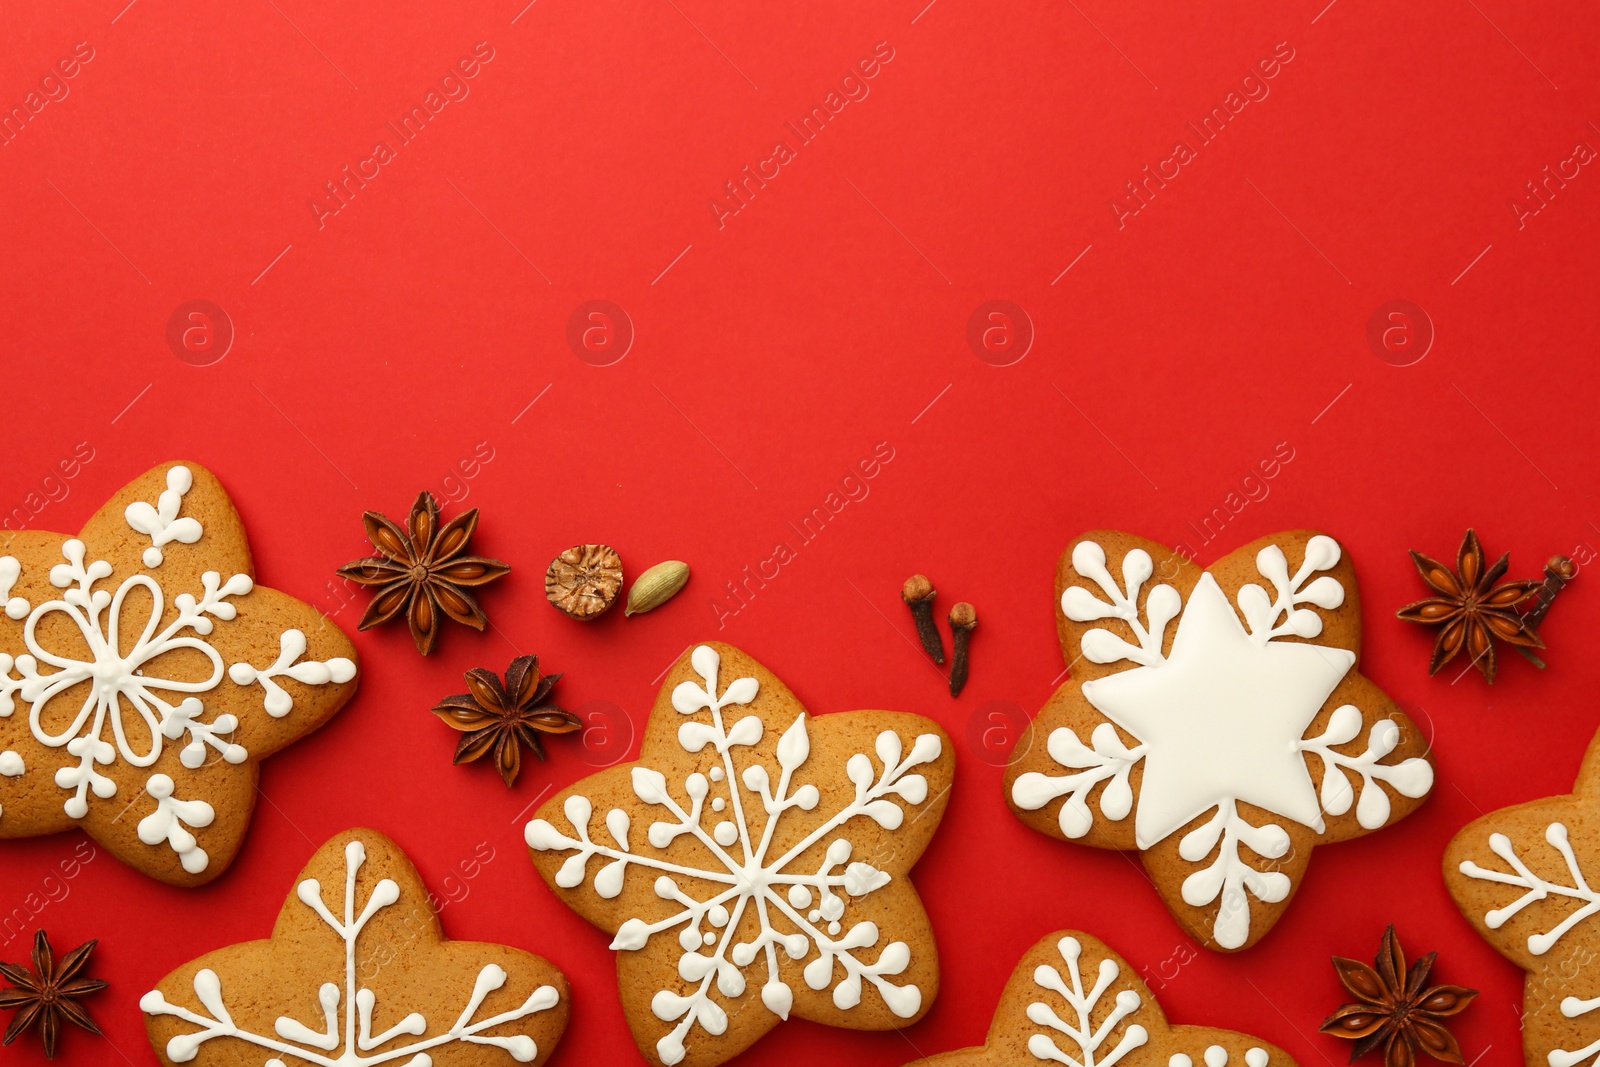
x=375, y=353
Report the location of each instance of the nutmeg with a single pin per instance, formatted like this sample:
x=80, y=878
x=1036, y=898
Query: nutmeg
x=583, y=581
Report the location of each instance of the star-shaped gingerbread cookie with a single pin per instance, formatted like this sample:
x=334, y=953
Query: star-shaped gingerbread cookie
x=1073, y=1000
x=1215, y=721
x=144, y=675
x=1522, y=877
x=752, y=865
x=357, y=973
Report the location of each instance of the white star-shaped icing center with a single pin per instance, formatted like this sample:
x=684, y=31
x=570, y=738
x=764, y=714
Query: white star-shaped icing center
x=1222, y=717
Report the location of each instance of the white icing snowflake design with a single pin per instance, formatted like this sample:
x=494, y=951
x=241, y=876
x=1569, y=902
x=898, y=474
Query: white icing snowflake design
x=11, y=765
x=350, y=1041
x=799, y=910
x=1068, y=1009
x=1086, y=1039
x=128, y=697
x=1219, y=719
x=1538, y=890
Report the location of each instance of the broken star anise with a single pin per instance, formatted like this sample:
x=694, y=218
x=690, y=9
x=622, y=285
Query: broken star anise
x=503, y=719
x=48, y=994
x=422, y=571
x=1394, y=1010
x=1472, y=611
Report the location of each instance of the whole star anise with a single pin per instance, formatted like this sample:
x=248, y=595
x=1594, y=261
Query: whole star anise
x=503, y=719
x=47, y=994
x=1473, y=611
x=422, y=571
x=1394, y=1010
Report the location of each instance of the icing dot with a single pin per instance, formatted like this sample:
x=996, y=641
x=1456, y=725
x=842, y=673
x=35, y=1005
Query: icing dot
x=11, y=764
x=726, y=833
x=16, y=607
x=834, y=928
x=799, y=896
x=718, y=916
x=716, y=774
x=718, y=804
x=814, y=915
x=1216, y=1056
x=1180, y=1060
x=710, y=938
x=1256, y=1057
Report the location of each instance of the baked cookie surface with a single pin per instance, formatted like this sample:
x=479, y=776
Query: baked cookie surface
x=1216, y=722
x=358, y=973
x=1073, y=1000
x=144, y=675
x=752, y=864
x=1522, y=877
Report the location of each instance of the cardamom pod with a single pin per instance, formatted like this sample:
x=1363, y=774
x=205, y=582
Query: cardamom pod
x=656, y=586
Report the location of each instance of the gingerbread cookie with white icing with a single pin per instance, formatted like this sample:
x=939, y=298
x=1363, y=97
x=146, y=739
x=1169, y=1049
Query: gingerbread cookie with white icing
x=144, y=675
x=1073, y=1000
x=358, y=972
x=1216, y=722
x=1522, y=877
x=752, y=866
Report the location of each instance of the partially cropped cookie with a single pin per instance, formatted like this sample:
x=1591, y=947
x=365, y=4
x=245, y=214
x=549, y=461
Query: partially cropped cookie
x=1073, y=1000
x=357, y=972
x=1216, y=722
x=144, y=675
x=1525, y=878
x=752, y=865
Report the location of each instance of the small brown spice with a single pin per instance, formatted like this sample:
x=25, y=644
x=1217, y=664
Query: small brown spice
x=47, y=995
x=918, y=593
x=1558, y=572
x=1472, y=611
x=1394, y=1010
x=505, y=719
x=422, y=570
x=963, y=620
x=584, y=580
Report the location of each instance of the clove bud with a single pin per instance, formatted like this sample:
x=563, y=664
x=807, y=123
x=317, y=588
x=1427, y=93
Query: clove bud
x=963, y=620
x=1557, y=573
x=918, y=593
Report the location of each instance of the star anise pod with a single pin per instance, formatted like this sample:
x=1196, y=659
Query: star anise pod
x=1472, y=611
x=1394, y=1010
x=47, y=994
x=421, y=570
x=503, y=719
